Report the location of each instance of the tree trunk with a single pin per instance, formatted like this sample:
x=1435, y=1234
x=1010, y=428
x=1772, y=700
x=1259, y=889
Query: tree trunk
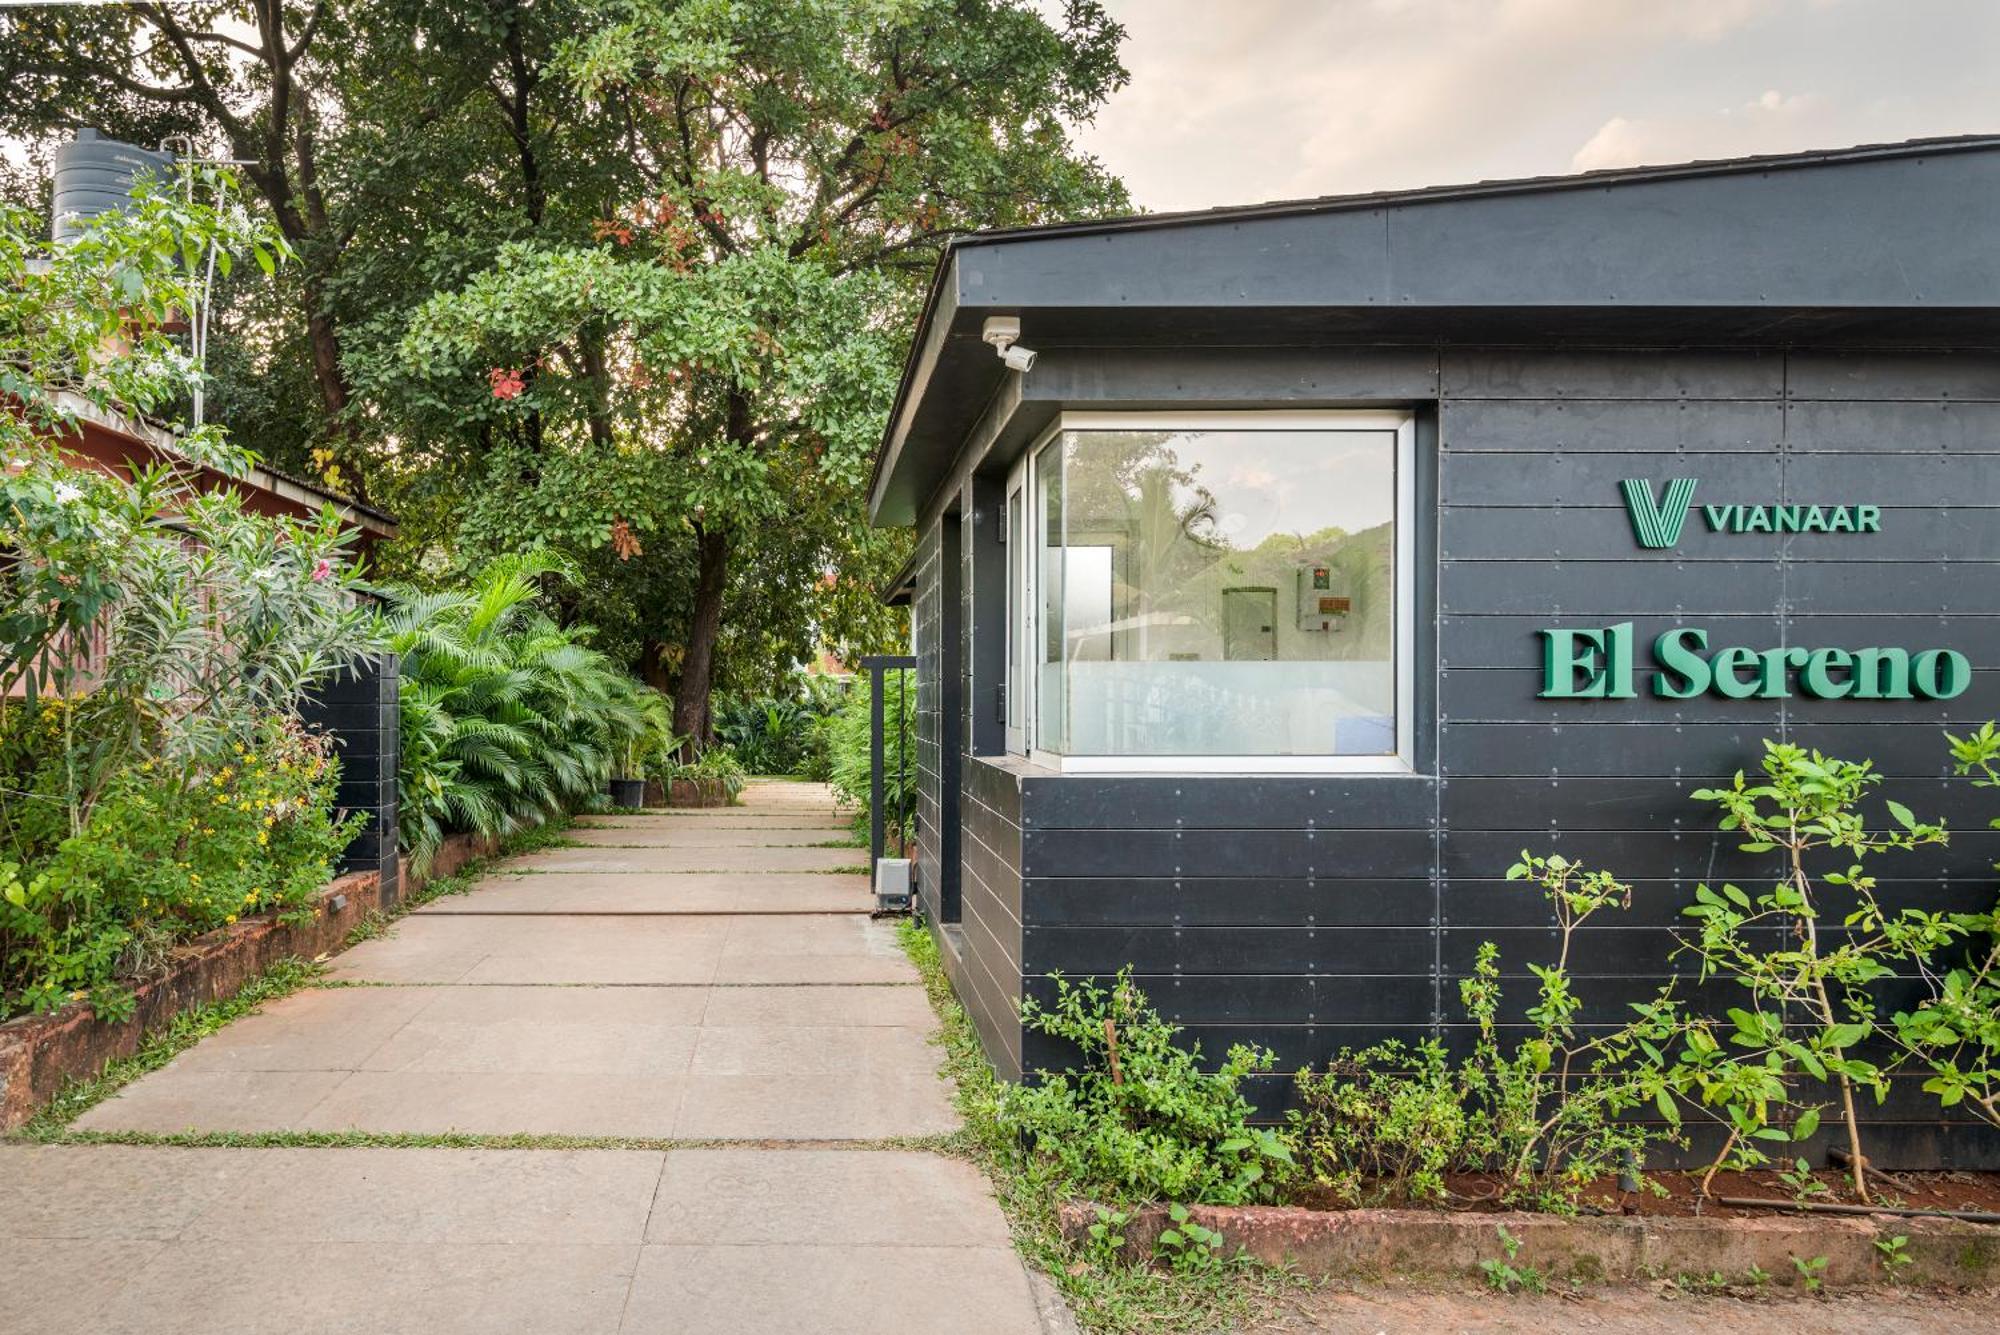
x=324, y=339
x=653, y=665
x=698, y=668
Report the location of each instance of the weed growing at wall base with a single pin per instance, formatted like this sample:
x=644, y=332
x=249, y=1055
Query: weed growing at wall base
x=1107, y=1293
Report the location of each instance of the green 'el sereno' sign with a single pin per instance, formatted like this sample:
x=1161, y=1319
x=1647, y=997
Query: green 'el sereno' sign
x=1601, y=663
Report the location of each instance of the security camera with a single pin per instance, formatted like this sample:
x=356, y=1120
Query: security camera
x=1002, y=331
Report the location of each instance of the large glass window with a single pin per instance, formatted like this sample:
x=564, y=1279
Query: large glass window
x=1217, y=586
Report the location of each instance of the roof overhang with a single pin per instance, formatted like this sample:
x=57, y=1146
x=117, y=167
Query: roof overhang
x=1889, y=244
x=116, y=438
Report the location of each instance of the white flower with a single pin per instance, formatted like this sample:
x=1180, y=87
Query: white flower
x=67, y=492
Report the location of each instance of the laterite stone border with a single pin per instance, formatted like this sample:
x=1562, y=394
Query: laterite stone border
x=1437, y=1245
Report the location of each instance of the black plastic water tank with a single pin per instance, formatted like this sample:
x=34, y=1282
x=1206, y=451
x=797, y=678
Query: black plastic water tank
x=94, y=175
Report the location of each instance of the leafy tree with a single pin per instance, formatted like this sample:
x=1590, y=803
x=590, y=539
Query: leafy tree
x=678, y=244
x=394, y=143
x=708, y=374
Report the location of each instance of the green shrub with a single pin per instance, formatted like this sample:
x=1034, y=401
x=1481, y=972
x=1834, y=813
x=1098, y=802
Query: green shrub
x=1954, y=1031
x=1548, y=1113
x=714, y=764
x=169, y=852
x=1138, y=1119
x=508, y=718
x=1805, y=966
x=1386, y=1123
x=782, y=734
x=847, y=734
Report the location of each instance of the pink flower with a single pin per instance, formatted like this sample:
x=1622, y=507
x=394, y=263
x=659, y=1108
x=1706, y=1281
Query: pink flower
x=322, y=570
x=507, y=382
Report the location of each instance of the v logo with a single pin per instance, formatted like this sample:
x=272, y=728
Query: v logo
x=1658, y=525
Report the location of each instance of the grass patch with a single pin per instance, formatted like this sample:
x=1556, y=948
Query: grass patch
x=156, y=1049
x=1105, y=1295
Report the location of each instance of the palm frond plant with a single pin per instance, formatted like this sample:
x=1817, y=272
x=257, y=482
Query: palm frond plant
x=508, y=718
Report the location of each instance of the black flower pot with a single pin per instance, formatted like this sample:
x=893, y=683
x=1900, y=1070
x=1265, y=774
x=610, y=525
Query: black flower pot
x=628, y=792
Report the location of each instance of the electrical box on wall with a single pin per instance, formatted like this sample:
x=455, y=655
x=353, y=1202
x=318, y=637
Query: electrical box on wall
x=1324, y=600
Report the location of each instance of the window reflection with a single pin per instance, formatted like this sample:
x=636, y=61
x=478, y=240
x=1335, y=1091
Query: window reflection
x=1221, y=592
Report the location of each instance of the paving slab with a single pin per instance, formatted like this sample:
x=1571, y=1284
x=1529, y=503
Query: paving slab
x=585, y=1061
x=171, y=1100
x=489, y=1197
x=371, y=1288
x=102, y=1193
x=548, y=1030
x=877, y=1198
x=831, y=1290
x=778, y=1007
x=744, y=861
x=52, y=1284
x=831, y=827
x=499, y=1103
x=318, y=1029
x=662, y=893
x=620, y=989
x=681, y=949
x=843, y=1106
x=697, y=835
x=447, y=948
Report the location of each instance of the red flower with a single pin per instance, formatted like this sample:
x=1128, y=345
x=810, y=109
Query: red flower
x=507, y=382
x=322, y=570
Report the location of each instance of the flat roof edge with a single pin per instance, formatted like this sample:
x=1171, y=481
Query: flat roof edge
x=1522, y=185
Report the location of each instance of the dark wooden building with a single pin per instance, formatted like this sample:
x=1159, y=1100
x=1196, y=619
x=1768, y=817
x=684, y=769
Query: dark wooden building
x=1279, y=604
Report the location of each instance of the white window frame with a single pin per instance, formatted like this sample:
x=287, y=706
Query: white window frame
x=1019, y=535
x=1022, y=480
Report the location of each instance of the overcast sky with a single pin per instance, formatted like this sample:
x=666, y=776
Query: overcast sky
x=1239, y=101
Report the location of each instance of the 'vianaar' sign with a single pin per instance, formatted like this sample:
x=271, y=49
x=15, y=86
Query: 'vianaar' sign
x=1602, y=663
x=1657, y=521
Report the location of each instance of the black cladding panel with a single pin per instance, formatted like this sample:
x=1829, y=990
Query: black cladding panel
x=1311, y=912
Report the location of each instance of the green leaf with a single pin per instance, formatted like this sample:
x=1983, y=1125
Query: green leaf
x=1807, y=1124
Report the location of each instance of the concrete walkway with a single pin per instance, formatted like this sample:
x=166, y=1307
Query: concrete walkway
x=706, y=976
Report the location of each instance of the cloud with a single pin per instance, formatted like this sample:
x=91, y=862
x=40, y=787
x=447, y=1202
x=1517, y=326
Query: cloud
x=1270, y=99
x=1771, y=123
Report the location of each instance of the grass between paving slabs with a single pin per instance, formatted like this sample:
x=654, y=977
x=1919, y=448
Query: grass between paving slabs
x=1106, y=1295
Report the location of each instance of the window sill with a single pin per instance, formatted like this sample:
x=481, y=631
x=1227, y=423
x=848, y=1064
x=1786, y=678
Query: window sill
x=1246, y=766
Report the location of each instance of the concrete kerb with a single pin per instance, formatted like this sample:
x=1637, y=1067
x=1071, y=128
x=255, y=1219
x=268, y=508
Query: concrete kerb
x=1435, y=1245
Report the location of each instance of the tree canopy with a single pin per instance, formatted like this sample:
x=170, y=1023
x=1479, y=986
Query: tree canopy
x=629, y=279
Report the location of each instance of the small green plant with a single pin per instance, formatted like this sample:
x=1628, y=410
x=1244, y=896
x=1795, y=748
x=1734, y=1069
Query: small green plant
x=1549, y=1111
x=1713, y=1282
x=1954, y=1032
x=1383, y=1124
x=1812, y=1272
x=1807, y=1008
x=1105, y=1238
x=1553, y=1108
x=1799, y=1180
x=1138, y=1119
x=1894, y=1255
x=1503, y=1276
x=1188, y=1247
x=1757, y=1276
